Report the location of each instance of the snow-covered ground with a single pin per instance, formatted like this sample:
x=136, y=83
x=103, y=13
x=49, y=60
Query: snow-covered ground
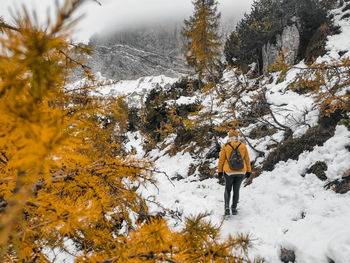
x=280, y=209
x=340, y=42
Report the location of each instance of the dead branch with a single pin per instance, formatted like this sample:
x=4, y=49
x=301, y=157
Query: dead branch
x=4, y=25
x=246, y=139
x=98, y=2
x=286, y=128
x=3, y=158
x=84, y=67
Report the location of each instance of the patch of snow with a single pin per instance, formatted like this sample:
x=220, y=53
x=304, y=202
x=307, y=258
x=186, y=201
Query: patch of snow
x=339, y=245
x=185, y=100
x=134, y=144
x=60, y=256
x=174, y=165
x=126, y=87
x=339, y=42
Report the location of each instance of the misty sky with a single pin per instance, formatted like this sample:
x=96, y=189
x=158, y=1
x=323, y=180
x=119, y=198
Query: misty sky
x=115, y=14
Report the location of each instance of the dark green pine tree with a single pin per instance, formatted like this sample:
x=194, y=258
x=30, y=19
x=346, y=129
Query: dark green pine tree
x=232, y=49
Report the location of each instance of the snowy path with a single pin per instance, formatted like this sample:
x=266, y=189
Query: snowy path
x=280, y=209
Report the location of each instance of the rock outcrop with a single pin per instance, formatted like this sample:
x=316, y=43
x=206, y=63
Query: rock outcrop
x=288, y=41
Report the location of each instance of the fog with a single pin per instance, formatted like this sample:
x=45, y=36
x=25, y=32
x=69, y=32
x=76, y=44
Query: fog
x=113, y=15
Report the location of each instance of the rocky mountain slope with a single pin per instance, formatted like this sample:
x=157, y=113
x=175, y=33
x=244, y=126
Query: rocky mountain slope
x=138, y=52
x=125, y=62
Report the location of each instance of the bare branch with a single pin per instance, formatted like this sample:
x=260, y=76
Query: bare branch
x=4, y=25
x=273, y=116
x=246, y=139
x=98, y=2
x=84, y=67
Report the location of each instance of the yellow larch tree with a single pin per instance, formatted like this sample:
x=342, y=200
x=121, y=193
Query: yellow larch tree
x=201, y=31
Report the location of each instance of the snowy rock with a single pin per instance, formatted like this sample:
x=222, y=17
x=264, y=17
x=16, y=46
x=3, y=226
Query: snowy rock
x=288, y=41
x=287, y=255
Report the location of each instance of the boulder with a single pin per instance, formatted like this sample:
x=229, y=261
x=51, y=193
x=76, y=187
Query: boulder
x=287, y=255
x=288, y=41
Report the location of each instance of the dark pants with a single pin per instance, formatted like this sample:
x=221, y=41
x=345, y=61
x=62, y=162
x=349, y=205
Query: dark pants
x=232, y=182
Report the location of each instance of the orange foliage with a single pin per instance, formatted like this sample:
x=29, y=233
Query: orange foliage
x=327, y=82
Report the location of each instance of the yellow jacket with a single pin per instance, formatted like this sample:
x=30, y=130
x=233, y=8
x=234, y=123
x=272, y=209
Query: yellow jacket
x=225, y=155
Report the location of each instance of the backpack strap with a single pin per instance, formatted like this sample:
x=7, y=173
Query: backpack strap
x=232, y=146
x=238, y=145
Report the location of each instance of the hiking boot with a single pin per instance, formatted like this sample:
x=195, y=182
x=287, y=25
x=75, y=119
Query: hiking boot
x=227, y=212
x=234, y=211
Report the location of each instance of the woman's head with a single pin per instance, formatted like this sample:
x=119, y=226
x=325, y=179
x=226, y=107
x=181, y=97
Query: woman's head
x=233, y=133
x=234, y=136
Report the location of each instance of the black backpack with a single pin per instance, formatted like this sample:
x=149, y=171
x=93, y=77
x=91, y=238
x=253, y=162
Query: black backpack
x=235, y=161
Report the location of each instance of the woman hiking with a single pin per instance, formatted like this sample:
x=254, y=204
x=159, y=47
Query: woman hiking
x=234, y=167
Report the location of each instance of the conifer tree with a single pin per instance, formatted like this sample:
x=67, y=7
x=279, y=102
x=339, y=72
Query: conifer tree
x=201, y=31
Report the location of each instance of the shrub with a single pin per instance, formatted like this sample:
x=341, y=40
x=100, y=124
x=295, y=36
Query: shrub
x=317, y=43
x=258, y=108
x=133, y=119
x=204, y=171
x=183, y=87
x=340, y=186
x=345, y=16
x=291, y=148
x=318, y=169
x=345, y=122
x=261, y=131
x=346, y=8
